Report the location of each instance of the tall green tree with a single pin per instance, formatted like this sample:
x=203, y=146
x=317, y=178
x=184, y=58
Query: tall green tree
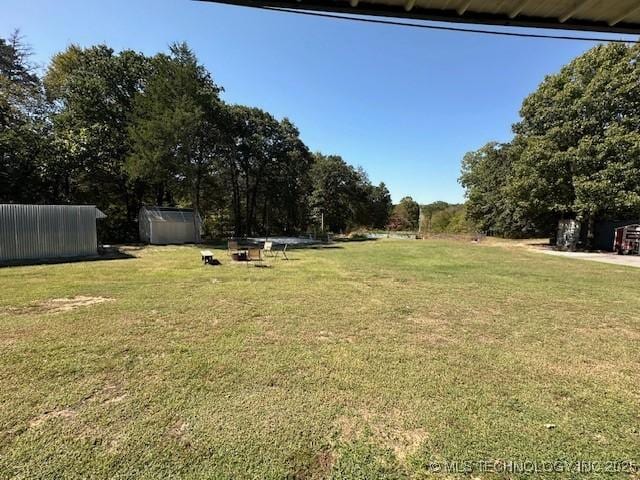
x=451, y=219
x=93, y=90
x=573, y=150
x=584, y=109
x=119, y=129
x=334, y=198
x=406, y=215
x=428, y=211
x=25, y=140
x=256, y=156
x=283, y=198
x=380, y=206
x=175, y=130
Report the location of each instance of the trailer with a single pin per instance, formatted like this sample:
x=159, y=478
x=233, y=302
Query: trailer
x=627, y=240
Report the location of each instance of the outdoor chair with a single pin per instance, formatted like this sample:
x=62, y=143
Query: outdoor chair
x=232, y=246
x=274, y=252
x=255, y=254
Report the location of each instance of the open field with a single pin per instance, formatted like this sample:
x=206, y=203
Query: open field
x=369, y=360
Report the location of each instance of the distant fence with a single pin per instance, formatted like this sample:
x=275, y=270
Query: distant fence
x=466, y=237
x=402, y=235
x=424, y=236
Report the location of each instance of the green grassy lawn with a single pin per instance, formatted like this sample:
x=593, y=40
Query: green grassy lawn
x=370, y=360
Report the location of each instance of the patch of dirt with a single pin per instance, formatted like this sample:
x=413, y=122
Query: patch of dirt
x=109, y=394
x=528, y=243
x=40, y=419
x=387, y=429
x=331, y=337
x=406, y=442
x=348, y=427
x=311, y=465
x=56, y=305
x=117, y=399
x=179, y=431
x=325, y=336
x=325, y=460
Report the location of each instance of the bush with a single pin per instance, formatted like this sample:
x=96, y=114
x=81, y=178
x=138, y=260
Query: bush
x=358, y=234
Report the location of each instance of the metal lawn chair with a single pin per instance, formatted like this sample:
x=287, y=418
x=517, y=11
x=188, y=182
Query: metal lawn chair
x=269, y=251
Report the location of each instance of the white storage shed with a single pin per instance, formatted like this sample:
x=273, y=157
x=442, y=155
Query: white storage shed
x=166, y=225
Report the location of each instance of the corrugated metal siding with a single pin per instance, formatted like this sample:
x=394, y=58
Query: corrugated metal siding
x=161, y=226
x=47, y=231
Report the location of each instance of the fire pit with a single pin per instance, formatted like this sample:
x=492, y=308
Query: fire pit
x=239, y=256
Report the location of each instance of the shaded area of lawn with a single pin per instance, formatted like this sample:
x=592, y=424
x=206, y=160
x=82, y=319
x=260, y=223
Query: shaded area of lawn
x=369, y=361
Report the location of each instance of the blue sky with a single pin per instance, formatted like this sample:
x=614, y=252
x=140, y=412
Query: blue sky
x=405, y=104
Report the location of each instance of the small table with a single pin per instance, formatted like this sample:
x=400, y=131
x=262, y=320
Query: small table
x=207, y=257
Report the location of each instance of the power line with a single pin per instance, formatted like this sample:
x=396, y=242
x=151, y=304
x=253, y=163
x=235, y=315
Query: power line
x=443, y=28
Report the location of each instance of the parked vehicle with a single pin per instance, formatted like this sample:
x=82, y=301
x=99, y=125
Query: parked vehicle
x=627, y=240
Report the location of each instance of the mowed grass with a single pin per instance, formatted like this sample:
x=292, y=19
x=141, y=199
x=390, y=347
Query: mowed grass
x=369, y=360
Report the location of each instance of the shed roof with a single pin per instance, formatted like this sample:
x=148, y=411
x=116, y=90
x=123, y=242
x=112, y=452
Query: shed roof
x=168, y=214
x=99, y=213
x=620, y=16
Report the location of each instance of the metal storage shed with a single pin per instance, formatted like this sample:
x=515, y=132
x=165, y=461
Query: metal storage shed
x=29, y=232
x=164, y=225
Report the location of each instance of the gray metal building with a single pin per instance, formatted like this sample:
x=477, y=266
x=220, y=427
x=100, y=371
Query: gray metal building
x=165, y=225
x=29, y=232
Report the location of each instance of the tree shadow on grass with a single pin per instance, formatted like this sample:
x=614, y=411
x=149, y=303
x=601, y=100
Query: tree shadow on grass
x=355, y=239
x=111, y=253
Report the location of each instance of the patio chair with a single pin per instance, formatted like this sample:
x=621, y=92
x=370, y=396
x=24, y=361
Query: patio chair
x=232, y=246
x=255, y=254
x=269, y=251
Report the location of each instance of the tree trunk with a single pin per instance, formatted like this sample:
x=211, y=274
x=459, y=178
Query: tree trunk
x=247, y=206
x=235, y=202
x=590, y=230
x=196, y=205
x=159, y=194
x=265, y=216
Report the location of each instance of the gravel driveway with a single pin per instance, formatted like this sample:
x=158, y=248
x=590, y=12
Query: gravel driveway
x=628, y=260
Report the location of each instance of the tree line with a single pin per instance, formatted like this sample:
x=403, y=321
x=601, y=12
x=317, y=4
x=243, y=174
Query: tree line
x=121, y=129
x=575, y=153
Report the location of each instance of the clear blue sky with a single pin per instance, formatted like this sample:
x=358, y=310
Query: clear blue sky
x=405, y=104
